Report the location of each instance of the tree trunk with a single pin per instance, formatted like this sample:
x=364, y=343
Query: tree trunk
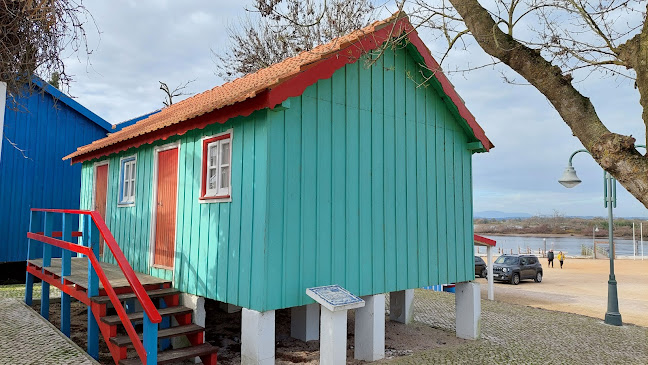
x=614, y=152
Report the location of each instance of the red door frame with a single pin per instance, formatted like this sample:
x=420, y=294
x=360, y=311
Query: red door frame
x=167, y=220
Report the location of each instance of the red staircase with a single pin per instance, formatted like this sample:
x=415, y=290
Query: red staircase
x=159, y=302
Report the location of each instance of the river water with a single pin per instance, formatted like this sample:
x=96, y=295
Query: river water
x=571, y=246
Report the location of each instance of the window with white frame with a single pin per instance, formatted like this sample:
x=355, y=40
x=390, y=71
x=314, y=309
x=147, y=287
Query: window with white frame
x=216, y=177
x=127, y=180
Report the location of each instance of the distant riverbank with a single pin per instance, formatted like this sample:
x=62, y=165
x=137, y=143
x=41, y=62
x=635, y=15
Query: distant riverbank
x=557, y=226
x=599, y=236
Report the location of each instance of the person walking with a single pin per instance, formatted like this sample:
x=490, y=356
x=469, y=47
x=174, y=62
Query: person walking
x=550, y=257
x=561, y=258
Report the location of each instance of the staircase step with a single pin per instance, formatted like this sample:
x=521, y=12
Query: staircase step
x=115, y=320
x=188, y=329
x=152, y=293
x=166, y=357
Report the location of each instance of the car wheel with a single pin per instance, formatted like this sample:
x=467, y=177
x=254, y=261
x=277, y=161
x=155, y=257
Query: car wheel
x=515, y=279
x=538, y=277
x=484, y=273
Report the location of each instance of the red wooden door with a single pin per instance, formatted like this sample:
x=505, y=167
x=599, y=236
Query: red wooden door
x=165, y=216
x=101, y=188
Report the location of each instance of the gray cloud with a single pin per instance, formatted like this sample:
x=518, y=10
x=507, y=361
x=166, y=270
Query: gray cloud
x=143, y=42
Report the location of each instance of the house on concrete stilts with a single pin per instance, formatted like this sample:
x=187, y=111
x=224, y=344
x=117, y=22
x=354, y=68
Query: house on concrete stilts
x=322, y=169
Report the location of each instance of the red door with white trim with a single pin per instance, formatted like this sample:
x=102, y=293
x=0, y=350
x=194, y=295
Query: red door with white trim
x=101, y=188
x=165, y=213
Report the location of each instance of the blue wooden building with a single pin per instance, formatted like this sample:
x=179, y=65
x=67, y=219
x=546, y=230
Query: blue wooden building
x=37, y=130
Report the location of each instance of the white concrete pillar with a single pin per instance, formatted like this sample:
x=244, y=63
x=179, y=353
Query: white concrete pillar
x=468, y=310
x=401, y=306
x=489, y=263
x=304, y=322
x=197, y=304
x=370, y=329
x=333, y=338
x=257, y=337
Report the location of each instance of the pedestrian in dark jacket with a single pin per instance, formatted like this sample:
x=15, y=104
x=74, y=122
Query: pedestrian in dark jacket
x=550, y=257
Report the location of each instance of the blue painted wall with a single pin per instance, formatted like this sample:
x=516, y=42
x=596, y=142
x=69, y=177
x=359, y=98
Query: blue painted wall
x=46, y=129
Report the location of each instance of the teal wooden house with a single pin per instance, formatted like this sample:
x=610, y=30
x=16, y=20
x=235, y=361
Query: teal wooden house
x=330, y=167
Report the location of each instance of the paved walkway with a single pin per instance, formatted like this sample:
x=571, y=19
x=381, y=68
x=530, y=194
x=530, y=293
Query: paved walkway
x=26, y=338
x=515, y=334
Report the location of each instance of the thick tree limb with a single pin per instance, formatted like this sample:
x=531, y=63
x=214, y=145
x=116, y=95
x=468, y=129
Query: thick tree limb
x=615, y=153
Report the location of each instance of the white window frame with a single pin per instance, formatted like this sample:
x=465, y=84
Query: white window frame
x=217, y=194
x=125, y=198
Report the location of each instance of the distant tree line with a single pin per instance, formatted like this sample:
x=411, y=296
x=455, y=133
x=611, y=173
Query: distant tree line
x=556, y=224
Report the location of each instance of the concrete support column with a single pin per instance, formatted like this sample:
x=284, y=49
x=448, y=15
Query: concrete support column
x=257, y=337
x=401, y=306
x=197, y=304
x=304, y=322
x=468, y=310
x=489, y=257
x=333, y=337
x=370, y=329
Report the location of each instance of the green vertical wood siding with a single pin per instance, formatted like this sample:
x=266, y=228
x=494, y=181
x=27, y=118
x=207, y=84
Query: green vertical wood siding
x=363, y=181
x=369, y=186
x=220, y=247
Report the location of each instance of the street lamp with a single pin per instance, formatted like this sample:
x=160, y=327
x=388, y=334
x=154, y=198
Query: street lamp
x=569, y=180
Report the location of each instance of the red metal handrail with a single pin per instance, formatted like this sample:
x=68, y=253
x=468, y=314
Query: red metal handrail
x=123, y=264
x=139, y=291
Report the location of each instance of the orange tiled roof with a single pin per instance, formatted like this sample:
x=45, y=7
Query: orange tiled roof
x=254, y=84
x=232, y=92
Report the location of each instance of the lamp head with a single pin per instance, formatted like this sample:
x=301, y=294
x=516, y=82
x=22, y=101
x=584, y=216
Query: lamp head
x=569, y=178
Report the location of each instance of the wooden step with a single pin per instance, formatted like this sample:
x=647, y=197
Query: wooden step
x=151, y=293
x=115, y=320
x=166, y=357
x=188, y=329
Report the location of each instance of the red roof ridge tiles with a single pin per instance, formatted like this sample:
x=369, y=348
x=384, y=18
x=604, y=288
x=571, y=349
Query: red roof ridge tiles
x=254, y=85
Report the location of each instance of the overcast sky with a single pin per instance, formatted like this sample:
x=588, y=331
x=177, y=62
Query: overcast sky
x=143, y=42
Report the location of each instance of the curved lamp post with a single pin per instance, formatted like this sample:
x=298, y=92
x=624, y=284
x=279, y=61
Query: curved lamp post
x=569, y=180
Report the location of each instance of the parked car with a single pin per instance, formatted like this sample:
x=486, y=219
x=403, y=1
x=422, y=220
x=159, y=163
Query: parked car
x=513, y=268
x=480, y=267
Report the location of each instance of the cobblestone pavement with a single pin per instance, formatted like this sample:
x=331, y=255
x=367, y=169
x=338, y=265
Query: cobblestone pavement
x=26, y=338
x=515, y=334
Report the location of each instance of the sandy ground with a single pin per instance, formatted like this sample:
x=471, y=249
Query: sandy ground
x=581, y=287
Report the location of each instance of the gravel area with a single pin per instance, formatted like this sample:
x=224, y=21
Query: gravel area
x=516, y=334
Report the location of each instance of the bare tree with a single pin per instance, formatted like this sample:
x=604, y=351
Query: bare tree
x=32, y=36
x=547, y=42
x=177, y=91
x=274, y=31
